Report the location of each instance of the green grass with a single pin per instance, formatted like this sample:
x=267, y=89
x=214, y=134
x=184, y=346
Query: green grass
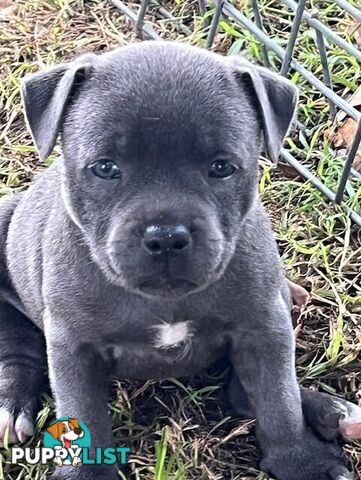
x=183, y=430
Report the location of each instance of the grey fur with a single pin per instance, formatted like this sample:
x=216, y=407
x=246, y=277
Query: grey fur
x=73, y=265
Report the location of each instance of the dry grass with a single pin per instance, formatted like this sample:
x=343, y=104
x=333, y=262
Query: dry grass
x=190, y=422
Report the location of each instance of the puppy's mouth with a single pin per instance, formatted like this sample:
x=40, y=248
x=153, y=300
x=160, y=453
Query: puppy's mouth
x=166, y=285
x=67, y=443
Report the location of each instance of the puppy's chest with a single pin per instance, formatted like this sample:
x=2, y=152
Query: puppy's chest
x=160, y=348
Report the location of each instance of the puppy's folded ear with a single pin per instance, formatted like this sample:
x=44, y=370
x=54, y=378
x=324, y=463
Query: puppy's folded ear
x=45, y=96
x=54, y=429
x=74, y=422
x=276, y=100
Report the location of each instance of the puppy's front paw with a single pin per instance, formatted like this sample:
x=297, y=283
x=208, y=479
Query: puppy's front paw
x=14, y=428
x=58, y=461
x=76, y=462
x=310, y=459
x=331, y=416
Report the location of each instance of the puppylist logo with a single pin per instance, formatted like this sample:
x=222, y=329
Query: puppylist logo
x=67, y=441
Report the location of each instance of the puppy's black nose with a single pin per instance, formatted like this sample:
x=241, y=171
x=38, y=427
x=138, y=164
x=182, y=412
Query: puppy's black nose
x=160, y=239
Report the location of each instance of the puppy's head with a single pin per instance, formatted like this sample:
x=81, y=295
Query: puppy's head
x=160, y=145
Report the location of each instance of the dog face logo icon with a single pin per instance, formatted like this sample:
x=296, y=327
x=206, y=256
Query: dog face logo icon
x=66, y=431
x=68, y=437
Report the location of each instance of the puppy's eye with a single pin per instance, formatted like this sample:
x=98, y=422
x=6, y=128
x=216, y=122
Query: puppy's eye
x=221, y=169
x=106, y=169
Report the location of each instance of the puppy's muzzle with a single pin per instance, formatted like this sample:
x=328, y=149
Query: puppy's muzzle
x=161, y=240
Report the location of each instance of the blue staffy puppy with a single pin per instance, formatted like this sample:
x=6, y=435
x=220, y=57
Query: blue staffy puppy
x=145, y=252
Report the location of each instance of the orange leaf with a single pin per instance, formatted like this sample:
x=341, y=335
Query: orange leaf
x=344, y=136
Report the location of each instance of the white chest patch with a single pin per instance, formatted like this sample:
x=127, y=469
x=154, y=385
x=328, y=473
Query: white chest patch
x=173, y=335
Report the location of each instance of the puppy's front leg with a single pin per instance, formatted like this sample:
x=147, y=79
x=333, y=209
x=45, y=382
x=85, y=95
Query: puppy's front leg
x=264, y=360
x=79, y=381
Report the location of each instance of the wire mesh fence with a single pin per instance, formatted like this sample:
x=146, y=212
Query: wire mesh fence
x=280, y=55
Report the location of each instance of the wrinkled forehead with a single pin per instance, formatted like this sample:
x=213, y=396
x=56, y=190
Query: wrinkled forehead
x=132, y=109
x=139, y=135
